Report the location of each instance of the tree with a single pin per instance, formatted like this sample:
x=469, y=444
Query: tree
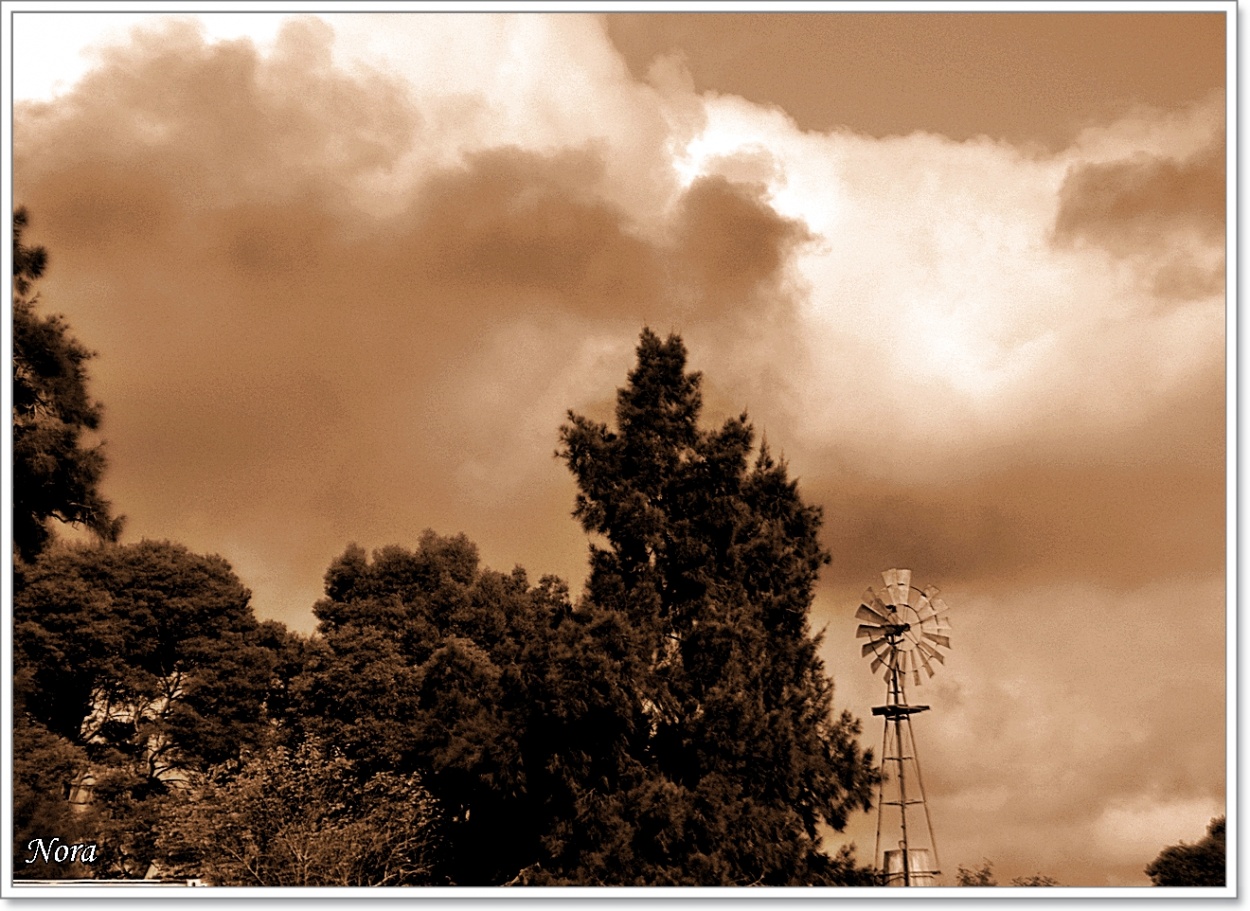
x=1201, y=864
x=301, y=817
x=477, y=681
x=710, y=558
x=983, y=876
x=147, y=660
x=56, y=472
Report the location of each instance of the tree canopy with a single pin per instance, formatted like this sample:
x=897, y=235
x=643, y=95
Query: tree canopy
x=1201, y=864
x=428, y=664
x=302, y=817
x=56, y=469
x=711, y=557
x=142, y=662
x=149, y=631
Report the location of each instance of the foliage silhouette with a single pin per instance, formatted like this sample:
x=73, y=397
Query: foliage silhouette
x=488, y=687
x=1201, y=864
x=711, y=559
x=144, y=662
x=301, y=817
x=56, y=472
x=981, y=876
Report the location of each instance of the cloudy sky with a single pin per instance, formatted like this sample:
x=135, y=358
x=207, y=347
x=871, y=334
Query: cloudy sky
x=346, y=273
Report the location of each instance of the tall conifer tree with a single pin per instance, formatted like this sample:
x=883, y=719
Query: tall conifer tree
x=56, y=470
x=713, y=557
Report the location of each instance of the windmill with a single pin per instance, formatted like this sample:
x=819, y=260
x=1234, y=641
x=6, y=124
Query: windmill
x=906, y=628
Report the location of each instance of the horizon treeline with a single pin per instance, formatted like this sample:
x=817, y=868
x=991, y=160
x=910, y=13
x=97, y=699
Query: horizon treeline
x=446, y=724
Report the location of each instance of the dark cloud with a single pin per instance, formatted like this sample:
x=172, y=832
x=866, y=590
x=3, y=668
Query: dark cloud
x=1180, y=278
x=1149, y=206
x=730, y=244
x=1117, y=508
x=512, y=223
x=1123, y=204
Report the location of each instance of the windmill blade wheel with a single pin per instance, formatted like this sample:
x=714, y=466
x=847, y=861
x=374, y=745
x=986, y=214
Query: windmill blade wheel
x=906, y=627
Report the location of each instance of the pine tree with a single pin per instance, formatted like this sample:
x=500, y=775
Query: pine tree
x=56, y=472
x=712, y=557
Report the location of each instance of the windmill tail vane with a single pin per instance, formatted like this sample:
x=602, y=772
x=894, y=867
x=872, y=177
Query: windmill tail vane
x=907, y=628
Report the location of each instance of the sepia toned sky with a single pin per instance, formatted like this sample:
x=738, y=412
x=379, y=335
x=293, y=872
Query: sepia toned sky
x=346, y=273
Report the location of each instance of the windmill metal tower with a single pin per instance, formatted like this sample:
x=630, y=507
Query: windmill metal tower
x=905, y=628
